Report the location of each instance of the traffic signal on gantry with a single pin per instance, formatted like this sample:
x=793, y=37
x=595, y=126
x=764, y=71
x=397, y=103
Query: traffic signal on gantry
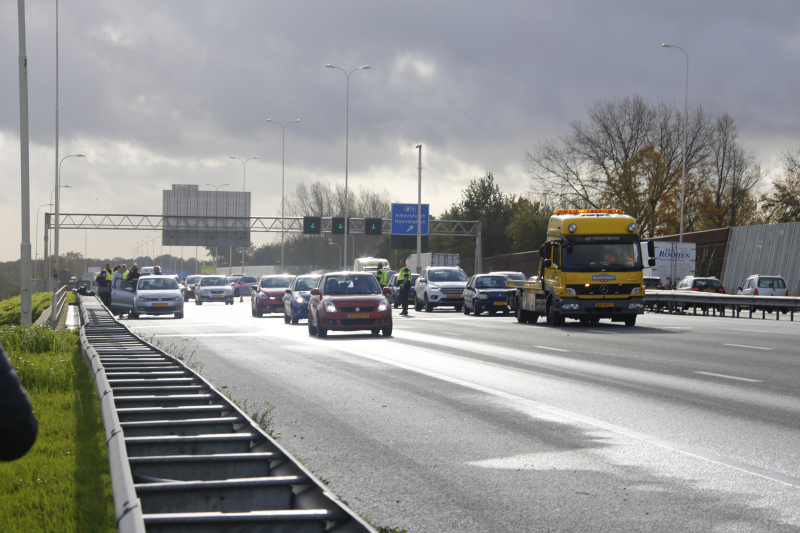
x=373, y=226
x=312, y=225
x=337, y=226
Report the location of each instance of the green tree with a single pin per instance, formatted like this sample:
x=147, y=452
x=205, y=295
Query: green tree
x=783, y=203
x=528, y=228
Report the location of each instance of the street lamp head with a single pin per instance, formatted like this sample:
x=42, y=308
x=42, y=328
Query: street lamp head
x=666, y=45
x=80, y=155
x=365, y=67
x=418, y=146
x=234, y=157
x=329, y=66
x=66, y=186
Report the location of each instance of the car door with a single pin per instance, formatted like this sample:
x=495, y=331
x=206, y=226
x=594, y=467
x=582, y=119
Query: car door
x=468, y=292
x=122, y=295
x=287, y=298
x=421, y=286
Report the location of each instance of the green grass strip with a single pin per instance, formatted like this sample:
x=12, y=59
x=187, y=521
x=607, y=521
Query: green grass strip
x=63, y=482
x=10, y=307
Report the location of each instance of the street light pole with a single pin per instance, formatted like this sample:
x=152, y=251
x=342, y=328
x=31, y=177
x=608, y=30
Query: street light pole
x=58, y=206
x=36, y=253
x=216, y=217
x=283, y=177
x=347, y=148
x=685, y=132
x=25, y=197
x=419, y=210
x=244, y=181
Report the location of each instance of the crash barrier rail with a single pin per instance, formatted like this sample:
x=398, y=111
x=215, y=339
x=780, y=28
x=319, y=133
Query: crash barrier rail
x=57, y=307
x=186, y=459
x=713, y=303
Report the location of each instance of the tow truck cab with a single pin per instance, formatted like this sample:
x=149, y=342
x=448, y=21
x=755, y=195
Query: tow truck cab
x=591, y=268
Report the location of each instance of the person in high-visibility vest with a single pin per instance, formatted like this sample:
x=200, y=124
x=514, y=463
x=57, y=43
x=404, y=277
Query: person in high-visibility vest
x=125, y=272
x=404, y=279
x=382, y=274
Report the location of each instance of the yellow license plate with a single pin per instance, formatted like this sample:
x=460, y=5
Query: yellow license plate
x=279, y=310
x=500, y=303
x=454, y=296
x=411, y=299
x=604, y=304
x=217, y=296
x=160, y=305
x=709, y=290
x=357, y=315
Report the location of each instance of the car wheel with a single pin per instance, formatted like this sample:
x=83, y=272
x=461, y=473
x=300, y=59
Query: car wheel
x=417, y=305
x=428, y=306
x=466, y=309
x=286, y=318
x=177, y=315
x=375, y=331
x=295, y=319
x=630, y=321
x=387, y=332
x=476, y=311
x=459, y=308
x=322, y=332
x=311, y=329
x=133, y=315
x=253, y=311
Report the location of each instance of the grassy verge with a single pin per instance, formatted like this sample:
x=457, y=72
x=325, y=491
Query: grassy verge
x=10, y=307
x=63, y=483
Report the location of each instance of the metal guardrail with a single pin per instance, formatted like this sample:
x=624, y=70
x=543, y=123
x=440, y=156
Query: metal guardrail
x=57, y=306
x=671, y=300
x=183, y=457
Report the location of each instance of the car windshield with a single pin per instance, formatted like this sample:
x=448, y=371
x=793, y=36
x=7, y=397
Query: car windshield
x=447, y=275
x=352, y=284
x=771, y=283
x=275, y=283
x=707, y=283
x=649, y=282
x=192, y=279
x=306, y=284
x=157, y=284
x=213, y=282
x=589, y=257
x=491, y=282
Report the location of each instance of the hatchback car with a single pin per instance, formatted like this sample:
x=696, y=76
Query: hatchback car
x=349, y=301
x=709, y=284
x=295, y=299
x=757, y=285
x=440, y=286
x=157, y=295
x=653, y=283
x=268, y=295
x=190, y=284
x=213, y=288
x=394, y=287
x=486, y=292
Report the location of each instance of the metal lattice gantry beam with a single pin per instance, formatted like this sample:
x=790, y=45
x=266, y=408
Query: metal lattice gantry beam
x=258, y=224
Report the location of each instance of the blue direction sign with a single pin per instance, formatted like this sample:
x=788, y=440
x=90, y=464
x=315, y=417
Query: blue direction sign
x=404, y=219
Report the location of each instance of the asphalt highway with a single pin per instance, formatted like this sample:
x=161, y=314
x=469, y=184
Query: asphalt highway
x=480, y=424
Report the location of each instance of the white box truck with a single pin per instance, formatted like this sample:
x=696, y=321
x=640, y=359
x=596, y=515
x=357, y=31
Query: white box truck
x=431, y=259
x=674, y=260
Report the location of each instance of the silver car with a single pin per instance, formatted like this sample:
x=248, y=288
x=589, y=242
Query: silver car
x=440, y=286
x=157, y=295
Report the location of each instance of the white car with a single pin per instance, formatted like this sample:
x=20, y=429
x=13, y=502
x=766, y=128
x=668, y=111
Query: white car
x=157, y=295
x=438, y=287
x=758, y=285
x=213, y=289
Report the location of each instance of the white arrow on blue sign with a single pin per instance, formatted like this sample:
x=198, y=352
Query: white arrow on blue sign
x=404, y=219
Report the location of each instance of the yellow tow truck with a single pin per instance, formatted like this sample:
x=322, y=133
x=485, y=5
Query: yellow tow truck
x=591, y=268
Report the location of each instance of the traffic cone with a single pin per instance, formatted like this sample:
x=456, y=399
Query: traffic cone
x=241, y=298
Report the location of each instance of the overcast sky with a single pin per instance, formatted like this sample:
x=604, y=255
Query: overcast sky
x=156, y=92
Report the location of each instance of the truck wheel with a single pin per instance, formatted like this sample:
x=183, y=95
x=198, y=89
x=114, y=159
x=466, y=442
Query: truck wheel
x=630, y=321
x=522, y=316
x=554, y=318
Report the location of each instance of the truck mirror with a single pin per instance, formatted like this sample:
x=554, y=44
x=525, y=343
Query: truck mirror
x=651, y=261
x=544, y=250
x=651, y=250
x=546, y=263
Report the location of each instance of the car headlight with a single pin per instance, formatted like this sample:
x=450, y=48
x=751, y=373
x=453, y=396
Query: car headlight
x=228, y=292
x=262, y=296
x=141, y=299
x=299, y=299
x=330, y=307
x=483, y=296
x=383, y=306
x=203, y=291
x=636, y=290
x=572, y=292
x=177, y=298
x=433, y=287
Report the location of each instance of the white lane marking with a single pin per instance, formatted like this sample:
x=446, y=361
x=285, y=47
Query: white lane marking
x=448, y=333
x=692, y=452
x=136, y=326
x=729, y=377
x=746, y=346
x=549, y=348
x=253, y=334
x=675, y=327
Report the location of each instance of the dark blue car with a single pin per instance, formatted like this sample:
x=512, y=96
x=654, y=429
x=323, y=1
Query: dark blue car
x=295, y=301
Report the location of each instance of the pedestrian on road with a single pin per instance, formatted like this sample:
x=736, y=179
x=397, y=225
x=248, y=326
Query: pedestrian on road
x=404, y=279
x=156, y=270
x=382, y=274
x=134, y=273
x=104, y=284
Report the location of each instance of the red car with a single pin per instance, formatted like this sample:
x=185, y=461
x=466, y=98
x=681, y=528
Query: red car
x=349, y=301
x=268, y=298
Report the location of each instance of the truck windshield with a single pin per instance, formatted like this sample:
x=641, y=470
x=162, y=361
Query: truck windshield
x=588, y=257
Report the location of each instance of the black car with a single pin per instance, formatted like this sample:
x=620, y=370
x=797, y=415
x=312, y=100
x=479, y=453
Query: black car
x=486, y=292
